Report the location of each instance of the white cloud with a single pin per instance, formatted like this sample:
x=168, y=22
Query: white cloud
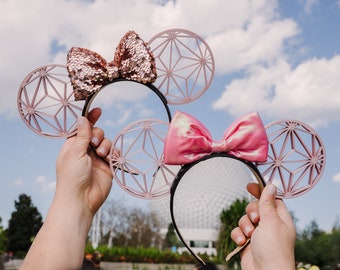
x=27, y=34
x=261, y=42
x=309, y=92
x=241, y=33
x=18, y=182
x=45, y=184
x=336, y=177
x=308, y=5
x=246, y=36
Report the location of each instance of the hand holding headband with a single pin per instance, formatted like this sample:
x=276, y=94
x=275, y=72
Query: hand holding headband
x=189, y=140
x=184, y=66
x=189, y=143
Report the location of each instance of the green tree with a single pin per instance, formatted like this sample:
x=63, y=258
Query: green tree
x=23, y=225
x=171, y=238
x=2, y=238
x=229, y=219
x=317, y=247
x=335, y=246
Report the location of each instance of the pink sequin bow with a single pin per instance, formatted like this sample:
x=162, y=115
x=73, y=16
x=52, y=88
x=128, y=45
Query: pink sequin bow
x=89, y=71
x=189, y=140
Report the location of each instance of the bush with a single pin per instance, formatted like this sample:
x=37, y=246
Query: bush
x=142, y=255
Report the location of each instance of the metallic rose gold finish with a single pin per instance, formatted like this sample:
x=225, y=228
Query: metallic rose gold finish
x=296, y=158
x=89, y=71
x=46, y=103
x=137, y=159
x=185, y=65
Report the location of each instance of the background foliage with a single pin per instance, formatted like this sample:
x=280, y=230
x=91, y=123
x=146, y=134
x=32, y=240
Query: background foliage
x=318, y=247
x=133, y=235
x=142, y=255
x=229, y=220
x=3, y=238
x=23, y=225
x=313, y=245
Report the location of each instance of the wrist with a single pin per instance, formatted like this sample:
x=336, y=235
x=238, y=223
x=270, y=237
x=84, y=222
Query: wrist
x=287, y=264
x=63, y=234
x=71, y=206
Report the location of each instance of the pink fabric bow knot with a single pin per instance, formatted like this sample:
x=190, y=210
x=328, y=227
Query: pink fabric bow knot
x=189, y=140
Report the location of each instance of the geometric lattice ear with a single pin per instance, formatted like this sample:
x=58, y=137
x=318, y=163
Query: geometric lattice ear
x=296, y=158
x=136, y=159
x=46, y=103
x=185, y=65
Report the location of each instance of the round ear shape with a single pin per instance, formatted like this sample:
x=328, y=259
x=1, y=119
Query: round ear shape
x=137, y=159
x=46, y=103
x=185, y=65
x=296, y=158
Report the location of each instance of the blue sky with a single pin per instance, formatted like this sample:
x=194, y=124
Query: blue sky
x=258, y=45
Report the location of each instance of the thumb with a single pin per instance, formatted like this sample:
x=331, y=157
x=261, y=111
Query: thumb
x=267, y=203
x=83, y=133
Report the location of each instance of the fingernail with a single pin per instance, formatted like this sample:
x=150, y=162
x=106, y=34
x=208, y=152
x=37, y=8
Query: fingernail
x=239, y=240
x=271, y=189
x=102, y=150
x=95, y=141
x=247, y=231
x=81, y=121
x=253, y=216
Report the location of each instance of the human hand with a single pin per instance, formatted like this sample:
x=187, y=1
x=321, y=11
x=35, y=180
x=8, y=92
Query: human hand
x=84, y=181
x=83, y=176
x=272, y=231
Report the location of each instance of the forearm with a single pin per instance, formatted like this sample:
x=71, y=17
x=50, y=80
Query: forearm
x=62, y=236
x=83, y=183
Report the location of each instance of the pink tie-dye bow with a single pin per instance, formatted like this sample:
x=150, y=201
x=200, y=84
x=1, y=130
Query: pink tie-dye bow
x=189, y=140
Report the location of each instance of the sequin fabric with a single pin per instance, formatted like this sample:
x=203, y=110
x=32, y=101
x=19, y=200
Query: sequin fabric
x=89, y=71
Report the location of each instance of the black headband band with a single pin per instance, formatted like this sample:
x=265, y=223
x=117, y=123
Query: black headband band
x=151, y=86
x=184, y=169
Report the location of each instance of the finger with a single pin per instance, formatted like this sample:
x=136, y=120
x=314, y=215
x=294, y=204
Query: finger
x=97, y=136
x=252, y=211
x=82, y=139
x=104, y=148
x=94, y=115
x=267, y=203
x=238, y=237
x=246, y=225
x=254, y=189
x=283, y=213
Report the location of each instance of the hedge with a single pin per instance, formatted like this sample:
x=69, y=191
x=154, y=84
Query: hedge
x=143, y=255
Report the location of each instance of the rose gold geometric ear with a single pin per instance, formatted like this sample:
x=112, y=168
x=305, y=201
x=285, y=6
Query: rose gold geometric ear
x=296, y=158
x=136, y=159
x=185, y=65
x=46, y=102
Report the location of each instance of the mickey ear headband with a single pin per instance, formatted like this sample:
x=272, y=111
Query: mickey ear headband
x=45, y=98
x=51, y=98
x=288, y=153
x=185, y=68
x=178, y=67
